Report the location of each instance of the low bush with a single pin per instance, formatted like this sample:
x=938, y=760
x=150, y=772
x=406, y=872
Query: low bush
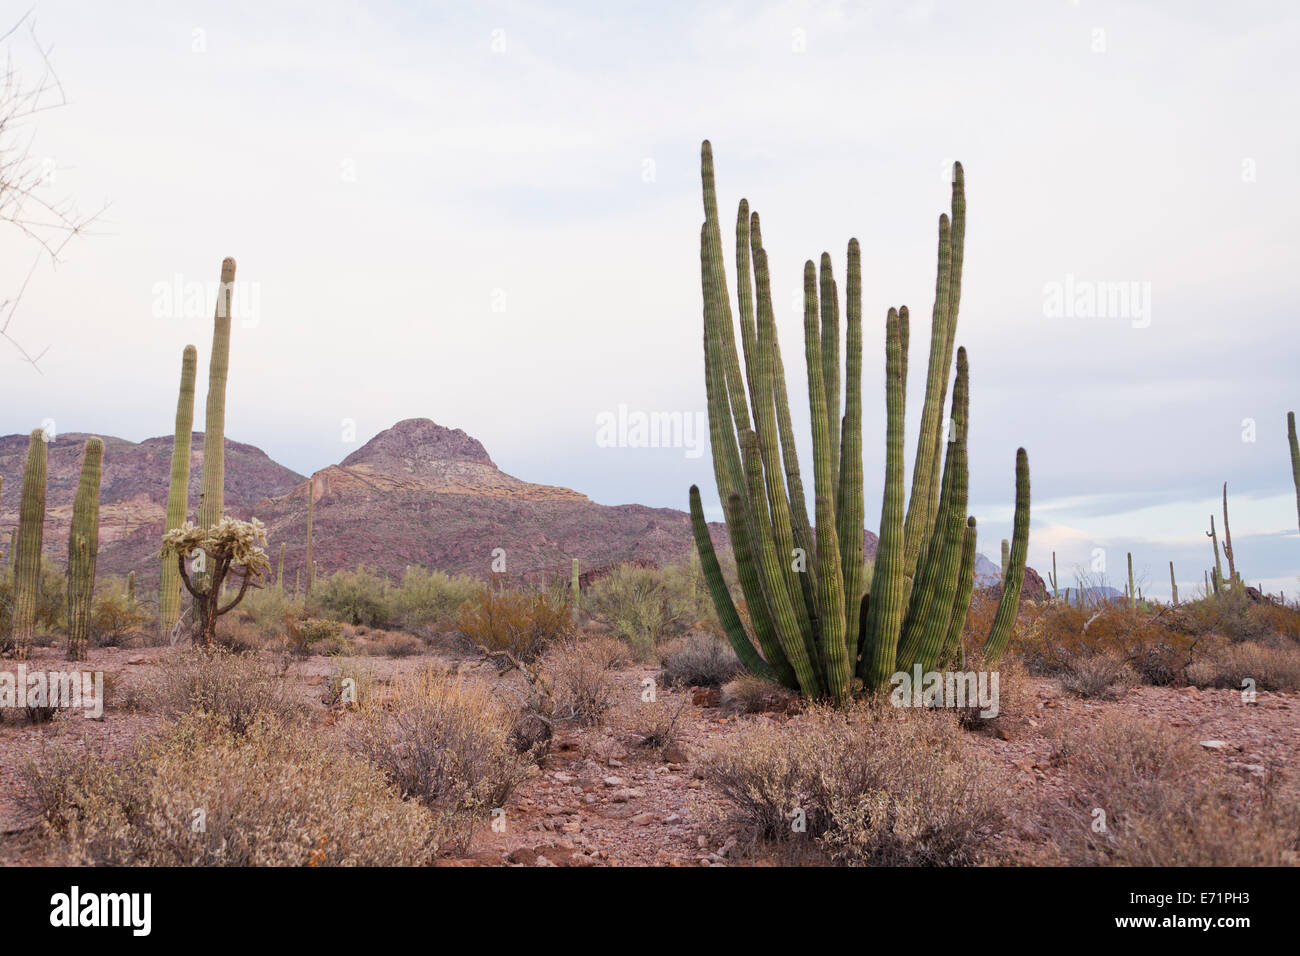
x=445, y=741
x=1144, y=794
x=646, y=605
x=236, y=690
x=200, y=795
x=872, y=786
x=1223, y=664
x=522, y=624
x=699, y=660
x=581, y=678
x=1100, y=676
x=303, y=635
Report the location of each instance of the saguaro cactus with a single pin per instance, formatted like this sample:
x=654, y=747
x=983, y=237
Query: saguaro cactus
x=169, y=587
x=813, y=626
x=1173, y=582
x=27, y=552
x=279, y=572
x=1055, y=591
x=83, y=548
x=1006, y=556
x=212, y=501
x=1295, y=458
x=311, y=507
x=1233, y=580
x=1218, y=566
x=1132, y=588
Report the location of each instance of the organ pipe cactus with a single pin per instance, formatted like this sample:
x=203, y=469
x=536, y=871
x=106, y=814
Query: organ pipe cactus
x=83, y=548
x=169, y=587
x=812, y=625
x=212, y=501
x=27, y=551
x=1006, y=557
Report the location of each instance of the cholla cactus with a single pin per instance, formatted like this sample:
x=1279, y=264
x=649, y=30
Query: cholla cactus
x=229, y=546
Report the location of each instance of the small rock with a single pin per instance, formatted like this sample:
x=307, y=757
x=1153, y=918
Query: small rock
x=613, y=781
x=1213, y=744
x=643, y=819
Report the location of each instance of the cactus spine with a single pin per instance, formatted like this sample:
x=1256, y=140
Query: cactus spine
x=1233, y=580
x=1173, y=582
x=311, y=507
x=31, y=530
x=83, y=548
x=212, y=502
x=169, y=588
x=1295, y=458
x=813, y=625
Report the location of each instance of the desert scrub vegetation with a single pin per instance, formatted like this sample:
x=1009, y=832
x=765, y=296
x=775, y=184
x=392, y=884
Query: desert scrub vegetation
x=646, y=605
x=1163, y=802
x=581, y=677
x=521, y=624
x=698, y=660
x=198, y=794
x=421, y=603
x=445, y=741
x=1102, y=676
x=236, y=690
x=1221, y=663
x=872, y=785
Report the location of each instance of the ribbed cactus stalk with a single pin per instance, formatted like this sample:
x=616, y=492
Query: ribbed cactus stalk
x=1006, y=556
x=311, y=508
x=575, y=592
x=13, y=540
x=813, y=625
x=83, y=548
x=130, y=588
x=169, y=587
x=1295, y=458
x=1233, y=579
x=1173, y=582
x=279, y=571
x=212, y=501
x=297, y=583
x=1132, y=588
x=31, y=531
x=1218, y=566
x=1207, y=583
x=1009, y=604
x=1055, y=592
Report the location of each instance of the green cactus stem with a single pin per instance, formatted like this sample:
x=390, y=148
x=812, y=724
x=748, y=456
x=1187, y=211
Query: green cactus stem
x=1295, y=458
x=31, y=531
x=279, y=571
x=1217, y=578
x=169, y=586
x=1173, y=582
x=1009, y=604
x=1233, y=579
x=1055, y=592
x=1132, y=588
x=83, y=548
x=1006, y=557
x=311, y=507
x=212, y=502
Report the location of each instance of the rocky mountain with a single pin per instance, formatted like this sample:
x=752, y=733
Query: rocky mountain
x=416, y=494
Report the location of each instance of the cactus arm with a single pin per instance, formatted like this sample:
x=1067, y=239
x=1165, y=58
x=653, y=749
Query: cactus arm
x=830, y=358
x=1233, y=580
x=169, y=587
x=850, y=508
x=1132, y=588
x=886, y=612
x=721, y=595
x=721, y=300
x=1218, y=566
x=1173, y=582
x=961, y=600
x=1009, y=604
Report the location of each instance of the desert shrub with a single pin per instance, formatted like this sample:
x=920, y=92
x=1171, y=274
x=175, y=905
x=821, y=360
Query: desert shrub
x=655, y=723
x=1153, y=644
x=392, y=644
x=1232, y=614
x=361, y=596
x=445, y=741
x=645, y=605
x=267, y=609
x=237, y=690
x=237, y=635
x=519, y=623
x=582, y=681
x=753, y=694
x=699, y=660
x=1223, y=664
x=114, y=617
x=302, y=636
x=875, y=786
x=51, y=604
x=349, y=685
x=270, y=796
x=429, y=600
x=1102, y=676
x=1165, y=802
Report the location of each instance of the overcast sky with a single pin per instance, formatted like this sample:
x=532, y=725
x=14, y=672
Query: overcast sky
x=490, y=217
